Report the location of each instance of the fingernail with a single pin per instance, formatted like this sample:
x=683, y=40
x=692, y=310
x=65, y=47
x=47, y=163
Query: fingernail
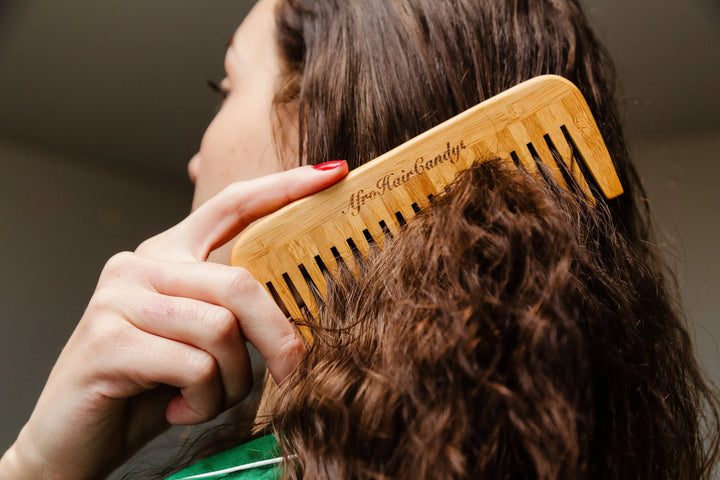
x=329, y=165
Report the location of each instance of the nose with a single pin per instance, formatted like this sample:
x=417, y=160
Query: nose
x=194, y=167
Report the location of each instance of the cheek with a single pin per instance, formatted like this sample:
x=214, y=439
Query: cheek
x=238, y=145
x=210, y=162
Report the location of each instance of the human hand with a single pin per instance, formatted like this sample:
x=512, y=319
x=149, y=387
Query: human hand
x=163, y=340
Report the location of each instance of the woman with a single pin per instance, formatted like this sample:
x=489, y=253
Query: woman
x=163, y=339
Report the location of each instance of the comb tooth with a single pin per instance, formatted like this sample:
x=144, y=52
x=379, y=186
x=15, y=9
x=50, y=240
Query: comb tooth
x=392, y=225
x=431, y=182
x=371, y=226
x=338, y=258
x=493, y=145
x=386, y=214
x=276, y=296
x=353, y=246
x=416, y=189
x=301, y=287
x=406, y=210
x=516, y=137
x=265, y=271
x=283, y=290
x=324, y=239
x=380, y=210
x=516, y=160
x=369, y=238
x=503, y=145
x=322, y=266
x=343, y=250
x=302, y=253
x=295, y=306
x=300, y=291
x=542, y=154
x=385, y=229
x=301, y=284
x=402, y=203
x=539, y=124
x=314, y=272
x=559, y=144
x=438, y=179
x=357, y=243
x=332, y=266
x=527, y=161
x=355, y=226
x=419, y=195
x=597, y=159
x=547, y=120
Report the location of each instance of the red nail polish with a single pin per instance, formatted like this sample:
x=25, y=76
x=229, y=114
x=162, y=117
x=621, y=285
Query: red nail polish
x=329, y=165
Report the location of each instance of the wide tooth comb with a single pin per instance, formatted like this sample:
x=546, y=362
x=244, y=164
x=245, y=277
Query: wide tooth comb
x=544, y=120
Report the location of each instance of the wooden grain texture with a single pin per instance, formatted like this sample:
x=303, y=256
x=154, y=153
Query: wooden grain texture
x=526, y=123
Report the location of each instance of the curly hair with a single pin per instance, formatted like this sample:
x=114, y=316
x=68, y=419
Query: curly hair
x=508, y=332
x=512, y=331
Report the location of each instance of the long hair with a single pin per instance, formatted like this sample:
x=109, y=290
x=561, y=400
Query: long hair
x=368, y=75
x=511, y=331
x=557, y=353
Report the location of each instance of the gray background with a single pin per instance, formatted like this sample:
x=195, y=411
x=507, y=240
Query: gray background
x=103, y=103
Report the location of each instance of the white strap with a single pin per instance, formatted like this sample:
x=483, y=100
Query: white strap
x=247, y=466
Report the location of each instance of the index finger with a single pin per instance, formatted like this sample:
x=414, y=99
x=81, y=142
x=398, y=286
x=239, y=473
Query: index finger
x=225, y=215
x=261, y=321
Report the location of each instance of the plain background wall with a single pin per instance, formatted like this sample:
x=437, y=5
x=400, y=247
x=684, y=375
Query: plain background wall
x=66, y=204
x=681, y=174
x=60, y=221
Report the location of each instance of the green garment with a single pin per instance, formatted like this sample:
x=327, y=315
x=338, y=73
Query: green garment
x=263, y=448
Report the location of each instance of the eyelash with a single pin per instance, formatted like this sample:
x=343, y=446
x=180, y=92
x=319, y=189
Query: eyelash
x=217, y=88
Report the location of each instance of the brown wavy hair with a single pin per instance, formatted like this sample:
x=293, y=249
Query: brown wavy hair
x=508, y=332
x=363, y=76
x=513, y=331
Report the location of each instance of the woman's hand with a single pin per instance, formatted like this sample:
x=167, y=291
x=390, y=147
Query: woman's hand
x=162, y=340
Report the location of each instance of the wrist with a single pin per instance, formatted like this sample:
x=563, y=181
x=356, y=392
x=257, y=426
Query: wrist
x=13, y=464
x=24, y=460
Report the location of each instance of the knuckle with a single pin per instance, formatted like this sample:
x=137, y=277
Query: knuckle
x=235, y=190
x=209, y=409
x=101, y=303
x=223, y=324
x=119, y=262
x=287, y=358
x=105, y=303
x=292, y=347
x=104, y=334
x=241, y=282
x=147, y=245
x=203, y=367
x=235, y=195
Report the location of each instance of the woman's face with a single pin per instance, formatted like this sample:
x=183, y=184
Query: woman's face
x=239, y=144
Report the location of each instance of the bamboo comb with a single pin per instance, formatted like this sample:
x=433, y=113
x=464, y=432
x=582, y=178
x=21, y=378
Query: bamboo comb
x=545, y=119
